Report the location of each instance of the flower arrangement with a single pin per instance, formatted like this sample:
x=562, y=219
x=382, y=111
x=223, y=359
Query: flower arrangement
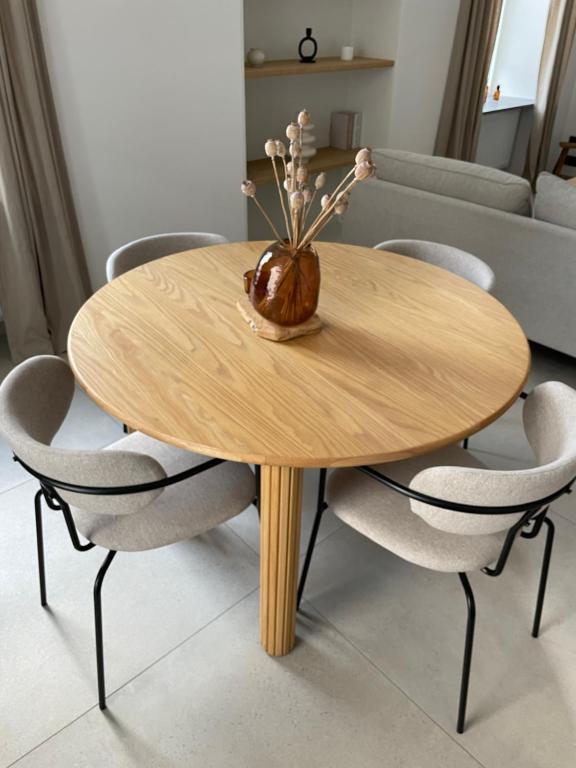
x=297, y=191
x=284, y=287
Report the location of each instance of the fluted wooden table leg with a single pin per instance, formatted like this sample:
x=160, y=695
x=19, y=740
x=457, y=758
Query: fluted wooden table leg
x=280, y=513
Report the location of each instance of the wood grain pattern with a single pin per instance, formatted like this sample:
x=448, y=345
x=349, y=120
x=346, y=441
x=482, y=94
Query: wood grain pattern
x=411, y=358
x=280, y=513
x=327, y=158
x=289, y=67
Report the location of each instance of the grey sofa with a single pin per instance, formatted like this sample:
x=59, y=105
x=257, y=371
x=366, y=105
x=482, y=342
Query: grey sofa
x=488, y=213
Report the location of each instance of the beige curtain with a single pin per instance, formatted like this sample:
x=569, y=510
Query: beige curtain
x=459, y=126
x=43, y=276
x=558, y=41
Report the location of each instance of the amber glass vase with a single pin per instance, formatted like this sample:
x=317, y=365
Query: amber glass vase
x=285, y=285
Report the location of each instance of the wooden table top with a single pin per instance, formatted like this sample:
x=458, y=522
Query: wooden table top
x=411, y=358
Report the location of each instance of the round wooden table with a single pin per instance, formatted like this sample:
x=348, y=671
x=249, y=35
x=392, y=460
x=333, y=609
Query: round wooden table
x=411, y=358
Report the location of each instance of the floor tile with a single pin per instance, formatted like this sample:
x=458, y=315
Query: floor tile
x=410, y=622
x=549, y=365
x=220, y=701
x=151, y=602
x=505, y=439
x=11, y=473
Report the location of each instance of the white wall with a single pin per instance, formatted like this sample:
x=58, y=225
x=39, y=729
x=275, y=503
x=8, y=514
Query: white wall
x=150, y=98
x=424, y=46
x=497, y=142
x=400, y=106
x=369, y=25
x=374, y=32
x=518, y=48
x=273, y=102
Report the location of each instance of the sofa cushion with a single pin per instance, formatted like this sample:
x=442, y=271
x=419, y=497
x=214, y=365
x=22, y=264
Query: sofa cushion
x=454, y=178
x=555, y=201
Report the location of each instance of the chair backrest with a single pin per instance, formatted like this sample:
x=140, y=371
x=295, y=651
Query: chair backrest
x=34, y=400
x=147, y=249
x=453, y=259
x=550, y=425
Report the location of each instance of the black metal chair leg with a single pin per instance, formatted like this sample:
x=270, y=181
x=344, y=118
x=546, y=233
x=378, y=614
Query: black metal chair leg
x=543, y=576
x=40, y=546
x=320, y=507
x=98, y=625
x=523, y=395
x=467, y=651
x=257, y=499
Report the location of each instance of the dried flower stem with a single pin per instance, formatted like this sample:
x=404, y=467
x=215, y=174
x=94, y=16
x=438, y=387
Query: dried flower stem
x=299, y=214
x=297, y=183
x=333, y=197
x=308, y=208
x=286, y=176
x=344, y=180
x=293, y=172
x=295, y=233
x=273, y=160
x=323, y=218
x=287, y=190
x=301, y=163
x=263, y=212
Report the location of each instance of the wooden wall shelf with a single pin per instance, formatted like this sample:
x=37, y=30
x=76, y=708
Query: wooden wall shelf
x=327, y=158
x=288, y=67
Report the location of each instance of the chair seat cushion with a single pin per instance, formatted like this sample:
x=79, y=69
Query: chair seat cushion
x=385, y=516
x=182, y=511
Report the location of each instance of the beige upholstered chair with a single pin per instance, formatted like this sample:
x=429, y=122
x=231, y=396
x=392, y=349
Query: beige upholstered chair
x=447, y=512
x=135, y=495
x=147, y=249
x=453, y=259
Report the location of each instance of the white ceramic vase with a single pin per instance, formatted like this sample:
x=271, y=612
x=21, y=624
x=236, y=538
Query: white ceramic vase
x=255, y=57
x=308, y=141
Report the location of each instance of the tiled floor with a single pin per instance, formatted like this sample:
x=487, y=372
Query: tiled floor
x=372, y=682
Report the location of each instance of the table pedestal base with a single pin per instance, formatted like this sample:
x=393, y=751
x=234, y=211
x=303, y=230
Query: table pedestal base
x=280, y=513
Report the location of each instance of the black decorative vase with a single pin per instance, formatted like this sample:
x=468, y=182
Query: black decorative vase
x=308, y=48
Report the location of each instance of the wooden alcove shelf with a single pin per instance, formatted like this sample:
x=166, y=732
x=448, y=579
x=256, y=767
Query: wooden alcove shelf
x=289, y=67
x=260, y=171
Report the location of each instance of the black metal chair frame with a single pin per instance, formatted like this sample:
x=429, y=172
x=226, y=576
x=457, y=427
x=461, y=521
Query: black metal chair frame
x=533, y=517
x=49, y=488
x=523, y=395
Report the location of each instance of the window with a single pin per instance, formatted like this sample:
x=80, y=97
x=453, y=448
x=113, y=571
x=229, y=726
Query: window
x=518, y=49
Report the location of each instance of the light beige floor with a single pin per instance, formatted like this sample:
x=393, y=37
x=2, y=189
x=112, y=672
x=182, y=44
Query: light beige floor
x=372, y=682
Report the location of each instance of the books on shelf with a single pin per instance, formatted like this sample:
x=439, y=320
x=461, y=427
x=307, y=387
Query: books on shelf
x=346, y=130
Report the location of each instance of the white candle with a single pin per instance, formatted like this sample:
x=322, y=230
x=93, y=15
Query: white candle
x=347, y=53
